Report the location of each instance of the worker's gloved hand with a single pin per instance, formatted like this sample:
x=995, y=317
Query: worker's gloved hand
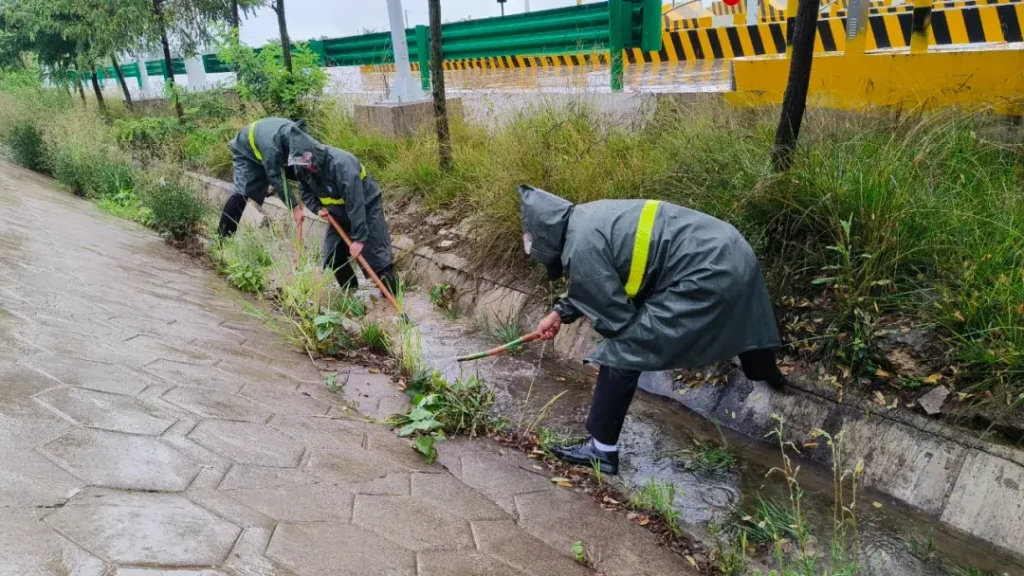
x=356, y=249
x=549, y=326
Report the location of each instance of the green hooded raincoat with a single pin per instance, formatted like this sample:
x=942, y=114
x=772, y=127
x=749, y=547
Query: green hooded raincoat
x=668, y=287
x=266, y=145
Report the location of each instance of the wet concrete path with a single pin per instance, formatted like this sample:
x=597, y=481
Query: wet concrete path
x=149, y=427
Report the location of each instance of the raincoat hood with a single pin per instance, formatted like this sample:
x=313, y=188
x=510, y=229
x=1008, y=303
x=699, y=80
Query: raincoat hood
x=299, y=142
x=545, y=217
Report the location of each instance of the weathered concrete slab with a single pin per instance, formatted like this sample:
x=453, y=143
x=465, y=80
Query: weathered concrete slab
x=220, y=405
x=988, y=501
x=516, y=548
x=27, y=479
x=463, y=564
x=412, y=523
x=145, y=529
x=313, y=550
x=91, y=375
x=107, y=411
x=247, y=443
x=29, y=547
x=186, y=374
x=303, y=503
x=115, y=460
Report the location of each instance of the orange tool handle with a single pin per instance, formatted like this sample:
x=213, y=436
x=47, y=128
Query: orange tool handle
x=373, y=275
x=501, y=349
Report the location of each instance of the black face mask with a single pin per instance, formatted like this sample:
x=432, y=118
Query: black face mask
x=555, y=270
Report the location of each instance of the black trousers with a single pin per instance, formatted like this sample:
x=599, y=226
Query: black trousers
x=616, y=387
x=337, y=255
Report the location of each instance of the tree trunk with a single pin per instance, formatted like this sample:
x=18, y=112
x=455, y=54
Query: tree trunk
x=286, y=43
x=168, y=64
x=444, y=144
x=124, y=85
x=236, y=21
x=81, y=89
x=794, y=101
x=97, y=91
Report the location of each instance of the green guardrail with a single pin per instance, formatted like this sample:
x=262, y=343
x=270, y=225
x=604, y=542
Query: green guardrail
x=606, y=26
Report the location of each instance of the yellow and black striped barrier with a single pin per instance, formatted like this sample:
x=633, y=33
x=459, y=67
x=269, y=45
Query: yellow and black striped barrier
x=949, y=5
x=969, y=25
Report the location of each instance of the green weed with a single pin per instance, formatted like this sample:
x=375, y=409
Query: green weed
x=442, y=297
x=507, y=331
x=579, y=553
x=27, y=146
x=126, y=204
x=244, y=259
x=711, y=459
x=177, y=210
x=770, y=521
x=658, y=498
x=595, y=472
x=729, y=557
x=372, y=334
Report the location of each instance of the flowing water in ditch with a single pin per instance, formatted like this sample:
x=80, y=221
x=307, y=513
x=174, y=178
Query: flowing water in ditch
x=659, y=437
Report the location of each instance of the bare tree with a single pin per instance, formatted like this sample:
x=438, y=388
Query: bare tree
x=120, y=78
x=794, y=101
x=282, y=25
x=444, y=143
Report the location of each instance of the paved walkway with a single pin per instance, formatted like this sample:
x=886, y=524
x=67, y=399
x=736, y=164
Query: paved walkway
x=149, y=427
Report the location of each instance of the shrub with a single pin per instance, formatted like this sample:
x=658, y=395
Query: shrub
x=263, y=79
x=178, y=211
x=149, y=135
x=27, y=146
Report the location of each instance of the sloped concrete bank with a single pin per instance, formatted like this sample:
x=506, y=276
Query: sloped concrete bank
x=971, y=485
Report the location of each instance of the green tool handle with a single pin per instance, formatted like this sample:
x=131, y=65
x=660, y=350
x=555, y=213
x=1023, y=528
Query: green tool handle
x=501, y=349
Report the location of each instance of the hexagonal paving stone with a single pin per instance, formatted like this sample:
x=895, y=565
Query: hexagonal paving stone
x=219, y=405
x=122, y=461
x=145, y=529
x=455, y=497
x=304, y=503
x=107, y=411
x=72, y=345
x=314, y=550
x=21, y=382
x=412, y=523
x=284, y=398
x=29, y=479
x=246, y=443
x=153, y=348
x=185, y=374
x=29, y=547
x=462, y=564
x=86, y=374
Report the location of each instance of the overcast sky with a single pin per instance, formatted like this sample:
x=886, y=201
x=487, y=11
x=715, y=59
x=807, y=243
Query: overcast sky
x=309, y=19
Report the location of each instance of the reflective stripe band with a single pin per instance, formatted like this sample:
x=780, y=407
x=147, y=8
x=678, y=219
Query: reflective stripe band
x=641, y=247
x=328, y=201
x=252, y=142
x=362, y=172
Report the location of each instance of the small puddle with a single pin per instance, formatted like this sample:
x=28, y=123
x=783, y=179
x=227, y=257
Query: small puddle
x=659, y=438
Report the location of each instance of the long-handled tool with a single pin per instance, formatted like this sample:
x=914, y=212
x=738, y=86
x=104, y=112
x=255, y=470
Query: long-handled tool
x=373, y=275
x=501, y=349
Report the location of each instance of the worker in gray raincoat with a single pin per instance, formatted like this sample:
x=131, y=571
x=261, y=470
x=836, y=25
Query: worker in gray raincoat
x=259, y=156
x=332, y=181
x=668, y=287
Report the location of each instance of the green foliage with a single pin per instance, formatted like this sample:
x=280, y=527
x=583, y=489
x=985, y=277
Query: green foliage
x=177, y=210
x=263, y=79
x=126, y=204
x=442, y=408
x=149, y=134
x=374, y=337
x=658, y=498
x=331, y=382
x=579, y=553
x=442, y=296
x=770, y=521
x=712, y=459
x=27, y=146
x=507, y=331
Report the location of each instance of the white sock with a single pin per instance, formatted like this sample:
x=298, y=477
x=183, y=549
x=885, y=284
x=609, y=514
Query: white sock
x=605, y=447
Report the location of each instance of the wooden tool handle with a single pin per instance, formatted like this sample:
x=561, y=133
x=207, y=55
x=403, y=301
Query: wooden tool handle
x=501, y=349
x=362, y=261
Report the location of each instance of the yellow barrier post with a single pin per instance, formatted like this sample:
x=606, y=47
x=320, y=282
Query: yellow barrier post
x=922, y=23
x=857, y=26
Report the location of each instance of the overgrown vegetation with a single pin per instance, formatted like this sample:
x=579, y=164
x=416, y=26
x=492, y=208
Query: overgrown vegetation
x=659, y=498
x=442, y=296
x=711, y=459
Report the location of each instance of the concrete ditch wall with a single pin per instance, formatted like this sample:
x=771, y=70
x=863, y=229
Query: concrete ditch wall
x=972, y=486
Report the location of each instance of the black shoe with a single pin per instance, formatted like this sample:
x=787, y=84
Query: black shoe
x=585, y=454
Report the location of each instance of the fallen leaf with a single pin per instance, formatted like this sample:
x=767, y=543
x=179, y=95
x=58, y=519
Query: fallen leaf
x=747, y=518
x=535, y=467
x=882, y=373
x=810, y=444
x=373, y=371
x=537, y=452
x=879, y=398
x=644, y=521
x=691, y=560
x=876, y=504
x=563, y=484
x=958, y=316
x=683, y=391
x=558, y=479
x=733, y=414
x=933, y=378
x=610, y=500
x=904, y=330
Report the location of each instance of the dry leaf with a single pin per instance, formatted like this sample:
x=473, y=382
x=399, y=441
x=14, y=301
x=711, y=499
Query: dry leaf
x=747, y=518
x=373, y=371
x=876, y=504
x=645, y=521
x=810, y=444
x=959, y=316
x=879, y=398
x=882, y=373
x=537, y=452
x=691, y=560
x=563, y=484
x=535, y=467
x=610, y=500
x=558, y=479
x=733, y=414
x=933, y=378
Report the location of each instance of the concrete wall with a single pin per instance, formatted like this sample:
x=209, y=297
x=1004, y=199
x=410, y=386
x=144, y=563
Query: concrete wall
x=976, y=81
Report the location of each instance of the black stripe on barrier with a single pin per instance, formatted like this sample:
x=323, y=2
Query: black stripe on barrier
x=881, y=34
x=527, y=63
x=629, y=56
x=734, y=40
x=778, y=38
x=972, y=21
x=940, y=28
x=663, y=53
x=755, y=40
x=551, y=61
x=678, y=44
x=646, y=56
x=908, y=23
x=698, y=52
x=716, y=46
x=970, y=3
x=1009, y=23
x=828, y=42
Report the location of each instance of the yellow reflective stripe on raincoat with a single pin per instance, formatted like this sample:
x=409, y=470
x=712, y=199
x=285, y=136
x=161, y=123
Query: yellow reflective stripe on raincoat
x=328, y=201
x=362, y=172
x=641, y=247
x=252, y=142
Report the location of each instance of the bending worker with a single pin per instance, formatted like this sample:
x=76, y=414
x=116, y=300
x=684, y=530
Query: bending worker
x=668, y=287
x=332, y=181
x=259, y=156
